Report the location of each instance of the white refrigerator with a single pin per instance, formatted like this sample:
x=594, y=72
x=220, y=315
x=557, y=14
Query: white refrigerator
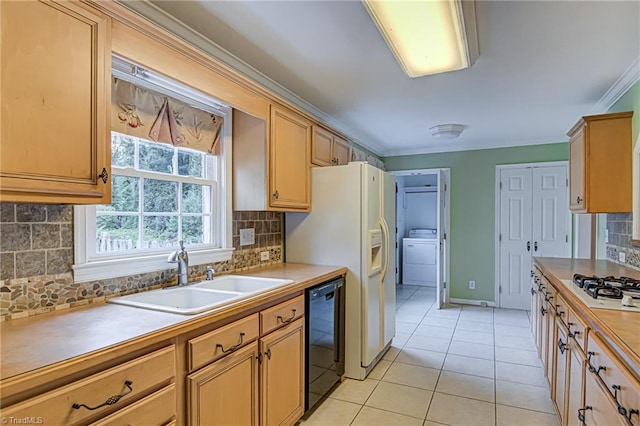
x=352, y=223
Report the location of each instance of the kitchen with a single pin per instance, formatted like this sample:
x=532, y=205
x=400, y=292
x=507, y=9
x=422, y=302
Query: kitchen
x=30, y=251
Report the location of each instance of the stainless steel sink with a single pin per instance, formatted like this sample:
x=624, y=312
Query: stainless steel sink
x=242, y=284
x=181, y=300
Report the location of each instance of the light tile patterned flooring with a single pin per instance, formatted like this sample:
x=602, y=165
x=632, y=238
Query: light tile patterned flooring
x=463, y=365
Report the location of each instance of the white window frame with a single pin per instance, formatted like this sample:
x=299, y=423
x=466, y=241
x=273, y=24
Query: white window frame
x=89, y=267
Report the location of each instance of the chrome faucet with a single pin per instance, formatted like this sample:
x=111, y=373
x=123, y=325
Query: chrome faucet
x=182, y=259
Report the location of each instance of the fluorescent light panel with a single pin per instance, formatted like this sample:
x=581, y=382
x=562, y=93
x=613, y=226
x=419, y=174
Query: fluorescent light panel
x=427, y=37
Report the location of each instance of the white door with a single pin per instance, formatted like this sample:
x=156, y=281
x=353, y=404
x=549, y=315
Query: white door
x=551, y=216
x=515, y=238
x=534, y=221
x=443, y=238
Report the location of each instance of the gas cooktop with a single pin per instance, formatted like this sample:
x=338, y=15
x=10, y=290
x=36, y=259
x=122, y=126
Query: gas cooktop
x=620, y=293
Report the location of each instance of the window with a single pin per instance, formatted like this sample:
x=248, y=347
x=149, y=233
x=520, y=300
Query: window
x=161, y=194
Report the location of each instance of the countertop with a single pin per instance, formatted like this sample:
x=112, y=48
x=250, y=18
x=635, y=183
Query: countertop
x=619, y=328
x=39, y=341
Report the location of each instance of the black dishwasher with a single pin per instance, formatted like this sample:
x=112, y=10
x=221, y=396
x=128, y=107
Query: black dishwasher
x=324, y=332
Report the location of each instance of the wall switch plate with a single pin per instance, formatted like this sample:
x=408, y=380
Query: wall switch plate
x=622, y=257
x=264, y=255
x=247, y=236
x=472, y=285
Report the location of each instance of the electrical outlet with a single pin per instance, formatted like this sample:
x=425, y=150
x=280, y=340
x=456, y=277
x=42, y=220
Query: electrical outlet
x=606, y=235
x=264, y=255
x=622, y=257
x=247, y=236
x=472, y=285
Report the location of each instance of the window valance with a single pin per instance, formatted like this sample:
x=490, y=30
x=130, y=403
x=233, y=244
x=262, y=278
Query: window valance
x=145, y=114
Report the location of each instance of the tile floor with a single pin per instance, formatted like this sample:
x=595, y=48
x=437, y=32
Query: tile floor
x=464, y=365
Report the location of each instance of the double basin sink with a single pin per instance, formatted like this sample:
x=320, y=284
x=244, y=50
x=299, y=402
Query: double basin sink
x=201, y=296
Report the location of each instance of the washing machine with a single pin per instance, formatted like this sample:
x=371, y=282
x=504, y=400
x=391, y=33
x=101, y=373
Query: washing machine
x=420, y=257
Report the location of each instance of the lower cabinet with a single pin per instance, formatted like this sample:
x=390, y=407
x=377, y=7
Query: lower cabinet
x=226, y=392
x=282, y=380
x=598, y=408
x=248, y=379
x=561, y=361
x=575, y=385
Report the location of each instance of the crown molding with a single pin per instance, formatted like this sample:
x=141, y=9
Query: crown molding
x=630, y=77
x=469, y=147
x=178, y=28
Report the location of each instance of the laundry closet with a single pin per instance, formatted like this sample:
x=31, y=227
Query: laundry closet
x=417, y=221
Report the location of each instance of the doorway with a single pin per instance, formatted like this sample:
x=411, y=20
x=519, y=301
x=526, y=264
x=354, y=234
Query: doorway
x=532, y=219
x=422, y=218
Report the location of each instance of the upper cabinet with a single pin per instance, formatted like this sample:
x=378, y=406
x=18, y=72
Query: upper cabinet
x=328, y=149
x=55, y=68
x=600, y=164
x=271, y=173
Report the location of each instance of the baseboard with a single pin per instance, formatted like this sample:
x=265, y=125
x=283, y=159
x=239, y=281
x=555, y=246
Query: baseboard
x=473, y=302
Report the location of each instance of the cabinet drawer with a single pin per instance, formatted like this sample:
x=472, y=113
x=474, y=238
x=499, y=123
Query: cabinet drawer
x=217, y=343
x=57, y=407
x=157, y=409
x=599, y=409
x=562, y=310
x=279, y=315
x=620, y=384
x=578, y=329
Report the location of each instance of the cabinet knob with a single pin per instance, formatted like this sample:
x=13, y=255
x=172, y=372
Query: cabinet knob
x=579, y=200
x=104, y=175
x=276, y=195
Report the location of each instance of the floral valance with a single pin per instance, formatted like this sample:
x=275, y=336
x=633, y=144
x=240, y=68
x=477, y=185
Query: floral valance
x=145, y=114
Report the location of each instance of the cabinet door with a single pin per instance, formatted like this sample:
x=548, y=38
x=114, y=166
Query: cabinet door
x=575, y=385
x=226, y=392
x=56, y=62
x=289, y=161
x=341, y=151
x=577, y=167
x=282, y=375
x=535, y=312
x=602, y=410
x=322, y=147
x=562, y=354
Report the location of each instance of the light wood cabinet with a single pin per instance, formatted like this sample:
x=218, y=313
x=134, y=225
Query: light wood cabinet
x=598, y=408
x=281, y=378
x=328, y=149
x=600, y=164
x=575, y=384
x=250, y=380
x=86, y=400
x=156, y=409
x=560, y=377
x=290, y=143
x=55, y=65
x=271, y=169
x=226, y=392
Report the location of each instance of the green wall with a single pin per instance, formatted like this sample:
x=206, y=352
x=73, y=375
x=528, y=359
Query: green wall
x=473, y=207
x=630, y=102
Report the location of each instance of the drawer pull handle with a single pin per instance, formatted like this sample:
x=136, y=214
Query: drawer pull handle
x=581, y=413
x=559, y=313
x=572, y=334
x=231, y=348
x=110, y=401
x=562, y=346
x=621, y=409
x=287, y=320
x=592, y=369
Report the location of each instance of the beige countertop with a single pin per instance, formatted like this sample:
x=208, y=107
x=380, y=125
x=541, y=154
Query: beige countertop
x=619, y=328
x=40, y=341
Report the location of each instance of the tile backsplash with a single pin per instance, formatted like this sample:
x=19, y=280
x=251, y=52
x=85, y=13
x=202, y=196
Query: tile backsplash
x=620, y=228
x=36, y=254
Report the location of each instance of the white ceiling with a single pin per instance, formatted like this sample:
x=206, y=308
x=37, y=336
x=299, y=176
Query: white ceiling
x=542, y=65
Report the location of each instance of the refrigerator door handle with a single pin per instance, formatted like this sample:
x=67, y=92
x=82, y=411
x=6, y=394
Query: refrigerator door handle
x=385, y=231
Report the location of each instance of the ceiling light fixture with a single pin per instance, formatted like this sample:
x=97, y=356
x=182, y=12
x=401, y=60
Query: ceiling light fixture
x=428, y=37
x=447, y=131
